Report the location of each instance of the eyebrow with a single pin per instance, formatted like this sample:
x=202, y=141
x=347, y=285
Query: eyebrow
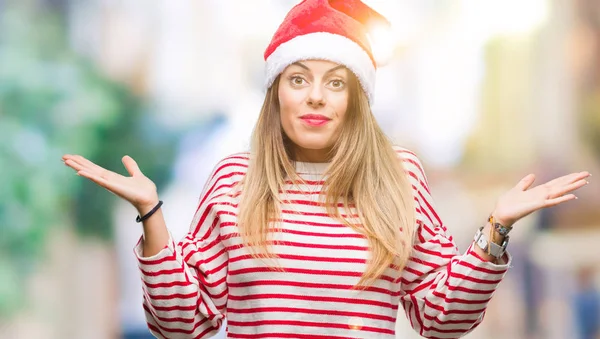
x=329, y=71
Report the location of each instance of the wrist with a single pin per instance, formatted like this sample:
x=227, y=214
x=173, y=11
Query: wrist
x=497, y=237
x=502, y=220
x=147, y=206
x=499, y=225
x=490, y=245
x=141, y=218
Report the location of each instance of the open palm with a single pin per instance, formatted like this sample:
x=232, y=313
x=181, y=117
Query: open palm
x=137, y=189
x=522, y=199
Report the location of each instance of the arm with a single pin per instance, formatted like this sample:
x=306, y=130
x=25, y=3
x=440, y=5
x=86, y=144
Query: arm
x=445, y=293
x=184, y=284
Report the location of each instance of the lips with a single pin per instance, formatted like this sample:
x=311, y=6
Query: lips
x=315, y=119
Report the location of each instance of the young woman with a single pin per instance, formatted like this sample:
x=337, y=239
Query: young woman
x=324, y=228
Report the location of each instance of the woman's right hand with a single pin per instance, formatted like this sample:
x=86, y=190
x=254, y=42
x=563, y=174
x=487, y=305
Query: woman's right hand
x=137, y=189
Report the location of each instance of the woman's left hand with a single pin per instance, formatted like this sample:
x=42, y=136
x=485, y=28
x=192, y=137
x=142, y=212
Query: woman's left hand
x=522, y=200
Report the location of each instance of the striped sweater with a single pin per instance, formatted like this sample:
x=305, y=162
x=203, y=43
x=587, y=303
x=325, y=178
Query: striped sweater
x=191, y=286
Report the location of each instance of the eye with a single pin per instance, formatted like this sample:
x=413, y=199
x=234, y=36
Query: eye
x=337, y=84
x=297, y=80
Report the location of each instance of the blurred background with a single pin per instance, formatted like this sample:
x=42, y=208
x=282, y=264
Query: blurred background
x=484, y=91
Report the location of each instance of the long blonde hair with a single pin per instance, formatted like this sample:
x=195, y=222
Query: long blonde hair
x=365, y=173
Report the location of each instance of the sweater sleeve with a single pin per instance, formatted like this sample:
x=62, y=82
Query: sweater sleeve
x=184, y=285
x=445, y=294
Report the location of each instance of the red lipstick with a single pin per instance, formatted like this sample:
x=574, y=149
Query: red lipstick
x=315, y=119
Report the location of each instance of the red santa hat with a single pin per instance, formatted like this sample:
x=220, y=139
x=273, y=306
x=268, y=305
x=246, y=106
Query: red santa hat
x=334, y=30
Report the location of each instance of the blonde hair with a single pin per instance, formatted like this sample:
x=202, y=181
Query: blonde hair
x=365, y=173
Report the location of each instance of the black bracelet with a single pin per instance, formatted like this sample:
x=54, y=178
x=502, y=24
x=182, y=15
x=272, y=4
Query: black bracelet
x=149, y=214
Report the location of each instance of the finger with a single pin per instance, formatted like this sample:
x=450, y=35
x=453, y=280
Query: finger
x=110, y=185
x=559, y=191
x=98, y=170
x=76, y=161
x=74, y=165
x=561, y=199
x=94, y=178
x=131, y=165
x=526, y=182
x=90, y=166
x=567, y=179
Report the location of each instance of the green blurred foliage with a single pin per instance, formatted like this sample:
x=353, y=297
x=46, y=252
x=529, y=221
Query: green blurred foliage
x=590, y=119
x=54, y=102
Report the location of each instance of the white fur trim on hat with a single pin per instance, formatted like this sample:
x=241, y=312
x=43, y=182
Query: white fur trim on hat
x=323, y=46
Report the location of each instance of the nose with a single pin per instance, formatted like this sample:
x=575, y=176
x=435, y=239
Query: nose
x=315, y=97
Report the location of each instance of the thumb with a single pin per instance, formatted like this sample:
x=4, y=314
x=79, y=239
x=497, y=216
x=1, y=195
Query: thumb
x=526, y=182
x=131, y=165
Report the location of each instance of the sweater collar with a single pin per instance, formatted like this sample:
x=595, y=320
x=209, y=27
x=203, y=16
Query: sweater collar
x=311, y=167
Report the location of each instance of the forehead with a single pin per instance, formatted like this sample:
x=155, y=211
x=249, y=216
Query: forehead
x=316, y=66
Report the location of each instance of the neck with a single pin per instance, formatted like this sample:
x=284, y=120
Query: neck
x=312, y=155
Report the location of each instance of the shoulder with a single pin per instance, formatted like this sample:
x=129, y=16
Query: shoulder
x=233, y=163
x=226, y=173
x=230, y=168
x=411, y=163
x=405, y=154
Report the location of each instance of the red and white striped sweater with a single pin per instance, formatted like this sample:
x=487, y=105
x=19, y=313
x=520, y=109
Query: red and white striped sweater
x=191, y=286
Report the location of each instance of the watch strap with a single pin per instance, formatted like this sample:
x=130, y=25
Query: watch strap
x=497, y=251
x=501, y=229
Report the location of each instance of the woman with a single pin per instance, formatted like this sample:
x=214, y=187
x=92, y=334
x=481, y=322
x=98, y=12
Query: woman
x=323, y=228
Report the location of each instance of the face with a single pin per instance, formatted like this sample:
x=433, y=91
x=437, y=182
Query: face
x=313, y=99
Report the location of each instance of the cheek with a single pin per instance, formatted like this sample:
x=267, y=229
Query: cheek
x=289, y=106
x=339, y=104
x=290, y=98
x=286, y=119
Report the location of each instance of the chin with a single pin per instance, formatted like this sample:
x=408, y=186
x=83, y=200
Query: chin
x=314, y=143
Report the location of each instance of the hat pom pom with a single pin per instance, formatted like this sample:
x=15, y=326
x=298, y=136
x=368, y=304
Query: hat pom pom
x=383, y=44
x=378, y=28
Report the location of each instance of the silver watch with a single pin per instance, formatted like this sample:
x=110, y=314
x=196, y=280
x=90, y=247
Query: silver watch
x=497, y=251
